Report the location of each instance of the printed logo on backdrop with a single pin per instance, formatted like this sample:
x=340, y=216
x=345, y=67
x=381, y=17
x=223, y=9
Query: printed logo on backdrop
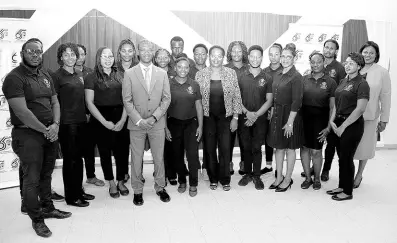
x=5, y=144
x=20, y=34
x=14, y=59
x=3, y=33
x=309, y=37
x=296, y=37
x=15, y=164
x=335, y=37
x=8, y=123
x=3, y=103
x=299, y=54
x=322, y=38
x=2, y=162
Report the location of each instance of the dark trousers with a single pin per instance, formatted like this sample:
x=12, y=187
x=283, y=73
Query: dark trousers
x=37, y=156
x=71, y=137
x=329, y=154
x=184, y=138
x=268, y=150
x=346, y=147
x=89, y=150
x=217, y=134
x=252, y=139
x=240, y=144
x=169, y=164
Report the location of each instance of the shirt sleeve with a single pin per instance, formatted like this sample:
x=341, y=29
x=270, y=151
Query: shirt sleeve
x=363, y=90
x=297, y=88
x=385, y=97
x=341, y=73
x=198, y=92
x=13, y=86
x=55, y=81
x=89, y=81
x=269, y=88
x=333, y=87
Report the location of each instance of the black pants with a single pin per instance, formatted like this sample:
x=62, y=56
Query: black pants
x=217, y=134
x=89, y=151
x=169, y=163
x=240, y=144
x=268, y=150
x=110, y=142
x=71, y=137
x=346, y=147
x=184, y=139
x=252, y=139
x=37, y=156
x=329, y=154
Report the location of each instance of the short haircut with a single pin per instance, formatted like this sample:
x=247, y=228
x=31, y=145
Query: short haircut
x=375, y=46
x=316, y=53
x=255, y=47
x=182, y=59
x=357, y=58
x=200, y=45
x=217, y=47
x=277, y=45
x=335, y=43
x=243, y=48
x=290, y=47
x=31, y=40
x=62, y=48
x=181, y=55
x=82, y=47
x=145, y=42
x=176, y=39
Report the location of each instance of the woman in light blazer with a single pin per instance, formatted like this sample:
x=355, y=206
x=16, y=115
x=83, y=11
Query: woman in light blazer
x=377, y=113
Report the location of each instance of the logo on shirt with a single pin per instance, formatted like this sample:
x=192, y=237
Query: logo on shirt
x=190, y=90
x=332, y=73
x=3, y=33
x=81, y=79
x=171, y=77
x=322, y=37
x=323, y=85
x=349, y=87
x=47, y=83
x=262, y=82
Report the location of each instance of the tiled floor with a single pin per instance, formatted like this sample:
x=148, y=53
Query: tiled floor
x=240, y=215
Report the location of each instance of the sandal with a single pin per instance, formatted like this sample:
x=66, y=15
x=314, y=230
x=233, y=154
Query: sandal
x=226, y=187
x=213, y=186
x=95, y=181
x=122, y=189
x=192, y=191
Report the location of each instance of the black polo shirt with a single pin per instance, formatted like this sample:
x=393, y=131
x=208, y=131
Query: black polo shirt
x=70, y=90
x=171, y=73
x=254, y=89
x=37, y=89
x=84, y=72
x=336, y=71
x=348, y=92
x=192, y=72
x=183, y=99
x=318, y=92
x=107, y=92
x=239, y=71
x=273, y=72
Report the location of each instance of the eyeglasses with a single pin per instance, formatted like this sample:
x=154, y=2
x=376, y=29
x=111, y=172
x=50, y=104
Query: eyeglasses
x=216, y=57
x=32, y=52
x=288, y=58
x=108, y=57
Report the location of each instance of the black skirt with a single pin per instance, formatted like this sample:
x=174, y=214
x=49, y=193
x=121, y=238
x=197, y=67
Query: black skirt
x=315, y=119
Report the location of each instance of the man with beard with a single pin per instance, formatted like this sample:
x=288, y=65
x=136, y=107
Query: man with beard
x=35, y=115
x=257, y=97
x=177, y=46
x=336, y=71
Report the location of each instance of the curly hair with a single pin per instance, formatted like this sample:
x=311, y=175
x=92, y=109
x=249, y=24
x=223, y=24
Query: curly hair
x=375, y=46
x=243, y=48
x=169, y=65
x=118, y=60
x=357, y=58
x=62, y=48
x=82, y=47
x=316, y=53
x=335, y=43
x=98, y=69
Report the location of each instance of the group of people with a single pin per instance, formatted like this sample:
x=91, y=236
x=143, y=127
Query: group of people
x=136, y=98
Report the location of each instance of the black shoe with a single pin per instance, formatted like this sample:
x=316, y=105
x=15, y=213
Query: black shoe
x=87, y=196
x=279, y=189
x=258, y=183
x=266, y=170
x=56, y=197
x=324, y=176
x=114, y=194
x=41, y=229
x=163, y=195
x=245, y=180
x=173, y=182
x=79, y=203
x=306, y=184
x=316, y=185
x=333, y=192
x=182, y=187
x=272, y=186
x=241, y=170
x=123, y=189
x=336, y=198
x=56, y=214
x=23, y=208
x=126, y=178
x=138, y=199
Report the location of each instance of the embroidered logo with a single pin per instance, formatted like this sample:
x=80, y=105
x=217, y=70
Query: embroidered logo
x=332, y=73
x=47, y=83
x=348, y=88
x=262, y=82
x=81, y=79
x=323, y=85
x=171, y=77
x=190, y=90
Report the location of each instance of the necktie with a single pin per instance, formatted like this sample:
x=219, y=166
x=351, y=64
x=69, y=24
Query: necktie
x=147, y=78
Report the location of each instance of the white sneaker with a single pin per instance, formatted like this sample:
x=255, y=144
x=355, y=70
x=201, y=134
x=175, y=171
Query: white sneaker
x=204, y=175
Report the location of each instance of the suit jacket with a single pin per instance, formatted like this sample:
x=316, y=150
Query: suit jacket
x=141, y=103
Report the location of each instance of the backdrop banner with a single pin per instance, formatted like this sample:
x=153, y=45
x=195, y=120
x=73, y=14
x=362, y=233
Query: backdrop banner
x=13, y=33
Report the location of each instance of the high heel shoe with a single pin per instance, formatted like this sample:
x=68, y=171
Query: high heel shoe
x=279, y=189
x=358, y=185
x=272, y=186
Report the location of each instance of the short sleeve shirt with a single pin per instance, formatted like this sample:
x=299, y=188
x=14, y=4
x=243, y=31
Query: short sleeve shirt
x=336, y=71
x=70, y=90
x=273, y=72
x=183, y=99
x=192, y=72
x=37, y=89
x=318, y=92
x=254, y=89
x=287, y=89
x=84, y=72
x=348, y=92
x=106, y=92
x=239, y=71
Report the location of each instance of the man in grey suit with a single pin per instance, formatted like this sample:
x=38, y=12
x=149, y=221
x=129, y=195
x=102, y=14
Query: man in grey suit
x=146, y=96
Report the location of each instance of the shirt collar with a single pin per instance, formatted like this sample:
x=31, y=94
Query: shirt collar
x=280, y=67
x=65, y=73
x=311, y=75
x=143, y=67
x=290, y=72
x=29, y=71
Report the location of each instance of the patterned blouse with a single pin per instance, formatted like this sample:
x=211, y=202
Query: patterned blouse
x=231, y=90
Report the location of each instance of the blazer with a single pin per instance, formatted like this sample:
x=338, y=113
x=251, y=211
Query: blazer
x=379, y=103
x=231, y=90
x=141, y=103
